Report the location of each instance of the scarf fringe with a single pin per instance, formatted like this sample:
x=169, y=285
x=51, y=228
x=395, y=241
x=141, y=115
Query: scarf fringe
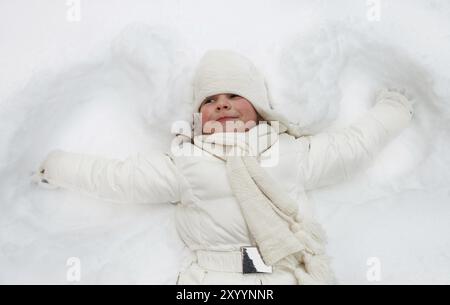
x=315, y=270
x=315, y=265
x=311, y=234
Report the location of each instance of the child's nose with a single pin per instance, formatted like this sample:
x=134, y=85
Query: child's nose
x=223, y=102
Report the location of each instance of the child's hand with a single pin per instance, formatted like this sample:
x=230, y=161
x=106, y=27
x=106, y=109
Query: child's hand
x=41, y=177
x=391, y=91
x=396, y=95
x=38, y=179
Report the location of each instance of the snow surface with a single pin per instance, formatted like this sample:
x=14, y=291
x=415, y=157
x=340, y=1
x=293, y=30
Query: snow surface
x=112, y=83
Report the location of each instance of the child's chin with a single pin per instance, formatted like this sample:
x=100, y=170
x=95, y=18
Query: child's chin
x=234, y=128
x=240, y=127
x=227, y=127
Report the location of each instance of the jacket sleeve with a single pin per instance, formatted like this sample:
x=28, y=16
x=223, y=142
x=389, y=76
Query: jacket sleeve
x=142, y=178
x=334, y=156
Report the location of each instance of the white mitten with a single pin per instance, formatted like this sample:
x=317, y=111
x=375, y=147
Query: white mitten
x=41, y=177
x=396, y=95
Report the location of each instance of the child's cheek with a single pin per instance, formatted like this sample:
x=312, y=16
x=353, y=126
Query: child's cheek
x=247, y=112
x=205, y=117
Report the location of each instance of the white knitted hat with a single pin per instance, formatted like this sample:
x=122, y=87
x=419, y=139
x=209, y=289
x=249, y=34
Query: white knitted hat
x=224, y=71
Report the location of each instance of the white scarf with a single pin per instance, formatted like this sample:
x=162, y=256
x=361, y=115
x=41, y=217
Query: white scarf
x=271, y=215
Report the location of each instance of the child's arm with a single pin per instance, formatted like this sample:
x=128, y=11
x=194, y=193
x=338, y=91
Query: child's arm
x=334, y=156
x=149, y=178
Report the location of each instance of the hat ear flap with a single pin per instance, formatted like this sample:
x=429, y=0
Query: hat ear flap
x=197, y=126
x=269, y=95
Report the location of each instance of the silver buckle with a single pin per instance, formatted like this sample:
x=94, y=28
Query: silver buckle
x=252, y=261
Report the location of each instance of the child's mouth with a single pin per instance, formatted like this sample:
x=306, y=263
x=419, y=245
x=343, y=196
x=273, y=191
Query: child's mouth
x=224, y=119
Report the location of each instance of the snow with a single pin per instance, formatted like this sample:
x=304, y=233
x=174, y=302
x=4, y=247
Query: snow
x=112, y=83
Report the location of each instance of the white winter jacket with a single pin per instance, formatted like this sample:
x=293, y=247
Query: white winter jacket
x=208, y=216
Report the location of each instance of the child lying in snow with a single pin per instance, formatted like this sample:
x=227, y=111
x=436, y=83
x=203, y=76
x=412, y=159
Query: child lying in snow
x=246, y=222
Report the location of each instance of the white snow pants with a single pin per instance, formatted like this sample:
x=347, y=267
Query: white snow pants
x=225, y=268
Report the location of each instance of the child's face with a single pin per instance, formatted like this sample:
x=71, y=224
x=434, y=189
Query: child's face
x=227, y=113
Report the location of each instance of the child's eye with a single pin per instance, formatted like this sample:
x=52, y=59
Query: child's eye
x=234, y=96
x=208, y=101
